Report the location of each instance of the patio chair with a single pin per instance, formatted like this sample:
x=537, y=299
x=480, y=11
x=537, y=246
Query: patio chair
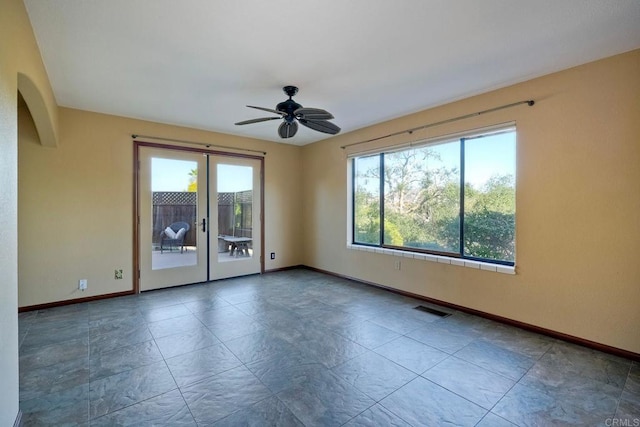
x=173, y=236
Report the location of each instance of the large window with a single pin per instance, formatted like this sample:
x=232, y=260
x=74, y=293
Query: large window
x=454, y=197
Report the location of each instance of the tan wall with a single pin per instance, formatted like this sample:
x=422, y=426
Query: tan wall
x=18, y=54
x=76, y=204
x=578, y=198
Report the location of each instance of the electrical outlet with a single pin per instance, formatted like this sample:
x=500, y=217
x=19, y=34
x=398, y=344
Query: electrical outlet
x=273, y=255
x=118, y=274
x=82, y=284
x=396, y=265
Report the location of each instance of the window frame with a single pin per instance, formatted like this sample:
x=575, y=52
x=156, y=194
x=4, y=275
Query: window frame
x=461, y=137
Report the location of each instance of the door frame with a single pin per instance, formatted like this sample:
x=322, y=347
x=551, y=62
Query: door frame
x=136, y=197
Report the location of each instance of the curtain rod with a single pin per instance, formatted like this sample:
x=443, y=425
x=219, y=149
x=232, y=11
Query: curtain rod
x=529, y=102
x=205, y=144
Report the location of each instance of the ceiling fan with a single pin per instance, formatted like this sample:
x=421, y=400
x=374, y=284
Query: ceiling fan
x=293, y=113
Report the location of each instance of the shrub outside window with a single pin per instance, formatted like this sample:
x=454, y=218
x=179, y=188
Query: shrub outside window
x=455, y=197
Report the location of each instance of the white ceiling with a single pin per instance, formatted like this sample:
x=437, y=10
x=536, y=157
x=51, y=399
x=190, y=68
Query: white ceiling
x=197, y=63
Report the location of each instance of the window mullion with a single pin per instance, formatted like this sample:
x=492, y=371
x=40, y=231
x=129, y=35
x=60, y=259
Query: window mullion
x=461, y=220
x=353, y=200
x=382, y=199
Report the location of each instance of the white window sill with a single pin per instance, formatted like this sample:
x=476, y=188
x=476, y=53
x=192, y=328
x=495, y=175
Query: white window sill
x=478, y=265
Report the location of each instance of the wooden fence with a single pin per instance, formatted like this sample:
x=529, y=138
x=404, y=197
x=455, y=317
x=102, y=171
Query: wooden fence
x=234, y=213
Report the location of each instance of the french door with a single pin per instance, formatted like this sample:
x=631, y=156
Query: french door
x=199, y=216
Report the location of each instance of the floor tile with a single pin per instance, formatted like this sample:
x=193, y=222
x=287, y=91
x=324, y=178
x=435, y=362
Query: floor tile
x=112, y=393
x=472, y=382
x=155, y=314
x=106, y=306
x=40, y=335
x=324, y=399
x=226, y=315
x=71, y=311
x=123, y=359
x=168, y=409
x=496, y=359
x=67, y=321
x=129, y=335
x=584, y=362
x=443, y=336
x=38, y=357
x=285, y=370
x=411, y=354
x=632, y=385
x=229, y=331
x=66, y=407
x=526, y=406
x=202, y=305
x=492, y=420
x=403, y=322
x=555, y=378
x=221, y=395
x=199, y=364
x=186, y=342
x=240, y=297
x=123, y=322
x=518, y=340
x=367, y=334
x=377, y=416
x=628, y=411
x=156, y=299
x=474, y=324
x=258, y=308
x=195, y=293
x=268, y=412
x=55, y=378
x=176, y=325
x=284, y=320
x=329, y=349
x=374, y=375
x=330, y=316
x=21, y=337
x=259, y=345
x=423, y=403
x=100, y=315
x=26, y=317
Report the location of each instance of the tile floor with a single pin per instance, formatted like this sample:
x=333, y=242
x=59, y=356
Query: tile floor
x=299, y=348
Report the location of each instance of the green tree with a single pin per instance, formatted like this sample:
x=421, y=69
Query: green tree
x=420, y=190
x=490, y=234
x=366, y=217
x=489, y=220
x=193, y=181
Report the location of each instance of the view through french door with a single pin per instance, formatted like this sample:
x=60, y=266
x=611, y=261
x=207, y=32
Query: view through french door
x=199, y=216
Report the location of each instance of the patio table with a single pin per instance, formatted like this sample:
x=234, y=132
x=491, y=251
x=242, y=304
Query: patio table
x=238, y=244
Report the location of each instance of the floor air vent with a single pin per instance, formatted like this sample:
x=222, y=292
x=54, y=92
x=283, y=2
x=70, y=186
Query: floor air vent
x=432, y=311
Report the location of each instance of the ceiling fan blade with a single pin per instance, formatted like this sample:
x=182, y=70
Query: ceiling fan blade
x=261, y=119
x=287, y=130
x=321, y=126
x=271, y=110
x=313, y=114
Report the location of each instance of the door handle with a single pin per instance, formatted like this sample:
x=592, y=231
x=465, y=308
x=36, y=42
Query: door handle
x=203, y=224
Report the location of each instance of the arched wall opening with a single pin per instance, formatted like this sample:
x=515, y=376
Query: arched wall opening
x=33, y=99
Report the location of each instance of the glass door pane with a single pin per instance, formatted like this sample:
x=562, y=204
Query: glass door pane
x=174, y=195
x=237, y=203
x=171, y=207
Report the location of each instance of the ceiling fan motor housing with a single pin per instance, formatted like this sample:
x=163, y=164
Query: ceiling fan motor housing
x=288, y=106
